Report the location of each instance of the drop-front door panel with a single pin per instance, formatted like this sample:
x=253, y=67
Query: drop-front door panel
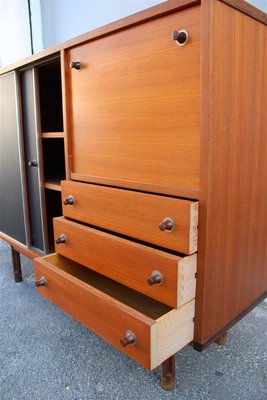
x=133, y=107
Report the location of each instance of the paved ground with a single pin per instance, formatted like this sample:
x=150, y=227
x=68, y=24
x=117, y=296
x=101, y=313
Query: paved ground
x=46, y=355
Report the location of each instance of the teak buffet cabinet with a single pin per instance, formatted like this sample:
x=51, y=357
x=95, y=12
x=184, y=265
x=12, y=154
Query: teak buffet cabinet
x=149, y=136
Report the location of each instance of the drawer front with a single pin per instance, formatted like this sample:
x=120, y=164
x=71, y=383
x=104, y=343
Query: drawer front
x=134, y=214
x=109, y=312
x=133, y=107
x=129, y=263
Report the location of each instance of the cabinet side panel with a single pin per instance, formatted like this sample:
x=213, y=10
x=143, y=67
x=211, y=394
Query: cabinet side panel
x=12, y=220
x=232, y=270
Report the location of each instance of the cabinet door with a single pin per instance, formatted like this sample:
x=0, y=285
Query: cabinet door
x=33, y=159
x=133, y=107
x=12, y=185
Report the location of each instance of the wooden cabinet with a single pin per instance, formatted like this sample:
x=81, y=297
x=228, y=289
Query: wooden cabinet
x=155, y=125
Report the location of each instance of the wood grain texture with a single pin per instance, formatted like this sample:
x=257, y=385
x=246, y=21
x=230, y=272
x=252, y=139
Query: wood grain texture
x=129, y=263
x=134, y=106
x=171, y=333
x=232, y=256
x=134, y=214
x=178, y=191
x=104, y=315
x=248, y=9
x=99, y=304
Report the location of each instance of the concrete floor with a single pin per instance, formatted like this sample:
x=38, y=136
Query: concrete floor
x=46, y=355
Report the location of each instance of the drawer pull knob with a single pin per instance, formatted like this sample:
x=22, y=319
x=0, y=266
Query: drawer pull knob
x=69, y=201
x=76, y=65
x=129, y=338
x=180, y=37
x=156, y=278
x=41, y=282
x=61, y=239
x=167, y=225
x=33, y=163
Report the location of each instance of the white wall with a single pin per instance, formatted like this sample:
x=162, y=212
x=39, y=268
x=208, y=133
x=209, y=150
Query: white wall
x=261, y=4
x=64, y=19
x=14, y=31
x=54, y=21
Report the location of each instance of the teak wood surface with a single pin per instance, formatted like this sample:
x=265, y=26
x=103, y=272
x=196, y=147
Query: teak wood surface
x=232, y=257
x=110, y=309
x=129, y=263
x=231, y=47
x=134, y=214
x=134, y=107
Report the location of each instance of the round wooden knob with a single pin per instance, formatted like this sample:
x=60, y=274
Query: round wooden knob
x=156, y=278
x=69, y=201
x=41, y=282
x=61, y=239
x=75, y=65
x=181, y=37
x=129, y=338
x=167, y=225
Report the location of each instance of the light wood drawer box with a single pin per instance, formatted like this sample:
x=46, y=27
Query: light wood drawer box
x=134, y=214
x=134, y=107
x=110, y=310
x=129, y=263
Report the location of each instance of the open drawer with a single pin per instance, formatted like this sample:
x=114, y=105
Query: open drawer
x=147, y=331
x=129, y=263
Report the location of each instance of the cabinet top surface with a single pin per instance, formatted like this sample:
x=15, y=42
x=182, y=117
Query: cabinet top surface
x=157, y=11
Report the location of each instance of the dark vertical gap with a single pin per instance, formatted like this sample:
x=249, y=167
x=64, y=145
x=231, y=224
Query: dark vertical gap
x=30, y=22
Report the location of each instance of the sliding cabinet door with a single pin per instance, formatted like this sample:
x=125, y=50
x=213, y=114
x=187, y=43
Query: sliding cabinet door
x=33, y=158
x=13, y=221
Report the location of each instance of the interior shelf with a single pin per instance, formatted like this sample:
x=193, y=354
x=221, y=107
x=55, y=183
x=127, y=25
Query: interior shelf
x=53, y=184
x=52, y=135
x=54, y=163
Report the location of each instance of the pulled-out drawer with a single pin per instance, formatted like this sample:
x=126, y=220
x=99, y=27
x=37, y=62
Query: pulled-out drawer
x=164, y=221
x=144, y=329
x=162, y=276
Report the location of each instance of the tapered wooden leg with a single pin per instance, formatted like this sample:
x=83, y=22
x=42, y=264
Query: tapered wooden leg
x=16, y=265
x=168, y=374
x=222, y=340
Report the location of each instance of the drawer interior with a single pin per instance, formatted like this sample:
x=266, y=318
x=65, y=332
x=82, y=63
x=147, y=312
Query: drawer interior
x=145, y=305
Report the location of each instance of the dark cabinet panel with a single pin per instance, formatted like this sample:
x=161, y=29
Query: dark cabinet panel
x=12, y=197
x=33, y=160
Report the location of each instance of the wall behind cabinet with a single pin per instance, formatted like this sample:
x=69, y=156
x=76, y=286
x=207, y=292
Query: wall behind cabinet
x=54, y=21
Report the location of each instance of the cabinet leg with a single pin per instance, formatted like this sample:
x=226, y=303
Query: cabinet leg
x=16, y=265
x=168, y=374
x=222, y=340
